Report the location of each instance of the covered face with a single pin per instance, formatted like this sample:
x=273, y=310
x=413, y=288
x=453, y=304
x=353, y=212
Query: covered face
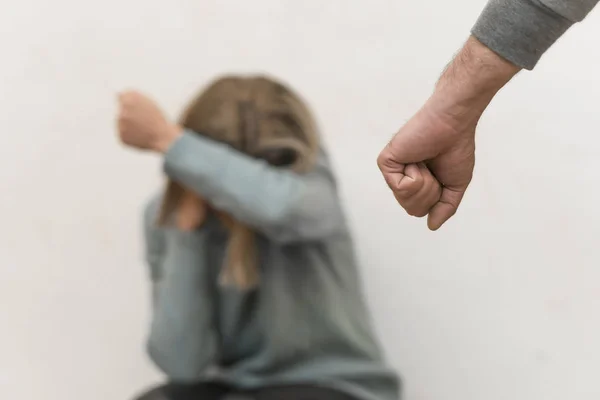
x=261, y=118
x=257, y=116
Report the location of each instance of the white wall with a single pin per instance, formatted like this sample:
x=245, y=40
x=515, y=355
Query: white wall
x=501, y=304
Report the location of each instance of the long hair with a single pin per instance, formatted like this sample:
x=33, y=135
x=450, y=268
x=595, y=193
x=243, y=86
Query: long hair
x=262, y=118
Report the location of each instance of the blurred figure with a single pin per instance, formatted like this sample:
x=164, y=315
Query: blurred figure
x=255, y=285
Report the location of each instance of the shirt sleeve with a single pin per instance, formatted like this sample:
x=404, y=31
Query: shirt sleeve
x=183, y=341
x=283, y=205
x=521, y=31
x=154, y=241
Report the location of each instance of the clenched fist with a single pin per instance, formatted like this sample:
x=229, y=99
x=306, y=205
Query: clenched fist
x=440, y=137
x=425, y=154
x=142, y=124
x=416, y=189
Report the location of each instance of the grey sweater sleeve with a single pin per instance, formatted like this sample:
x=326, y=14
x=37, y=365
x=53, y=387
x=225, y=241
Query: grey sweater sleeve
x=521, y=31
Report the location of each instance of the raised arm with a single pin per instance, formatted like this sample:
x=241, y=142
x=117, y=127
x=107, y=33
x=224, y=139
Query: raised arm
x=281, y=204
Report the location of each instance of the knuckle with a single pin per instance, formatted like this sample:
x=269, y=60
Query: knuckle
x=418, y=183
x=389, y=180
x=418, y=213
x=413, y=185
x=382, y=160
x=403, y=192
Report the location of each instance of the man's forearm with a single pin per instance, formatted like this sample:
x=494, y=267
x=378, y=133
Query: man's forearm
x=470, y=81
x=521, y=31
x=509, y=35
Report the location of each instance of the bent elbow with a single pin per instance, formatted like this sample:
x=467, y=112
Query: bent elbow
x=178, y=362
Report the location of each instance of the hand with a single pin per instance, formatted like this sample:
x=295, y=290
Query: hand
x=191, y=211
x=440, y=137
x=142, y=124
x=445, y=153
x=418, y=190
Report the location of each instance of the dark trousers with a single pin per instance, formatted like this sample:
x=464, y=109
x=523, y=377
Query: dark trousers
x=216, y=391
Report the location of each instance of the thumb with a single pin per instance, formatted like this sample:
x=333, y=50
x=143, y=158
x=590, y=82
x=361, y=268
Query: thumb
x=445, y=208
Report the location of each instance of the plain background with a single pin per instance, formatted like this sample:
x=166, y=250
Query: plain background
x=500, y=304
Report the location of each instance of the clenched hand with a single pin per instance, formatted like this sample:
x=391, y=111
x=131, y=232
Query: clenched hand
x=436, y=148
x=142, y=124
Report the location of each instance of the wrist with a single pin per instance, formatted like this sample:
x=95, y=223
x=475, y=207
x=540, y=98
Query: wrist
x=471, y=81
x=170, y=135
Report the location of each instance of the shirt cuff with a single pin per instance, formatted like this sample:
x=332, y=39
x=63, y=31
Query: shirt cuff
x=520, y=31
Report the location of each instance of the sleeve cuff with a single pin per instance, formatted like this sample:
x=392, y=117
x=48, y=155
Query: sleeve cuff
x=520, y=31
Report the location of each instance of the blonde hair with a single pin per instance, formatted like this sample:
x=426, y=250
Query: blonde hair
x=257, y=116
